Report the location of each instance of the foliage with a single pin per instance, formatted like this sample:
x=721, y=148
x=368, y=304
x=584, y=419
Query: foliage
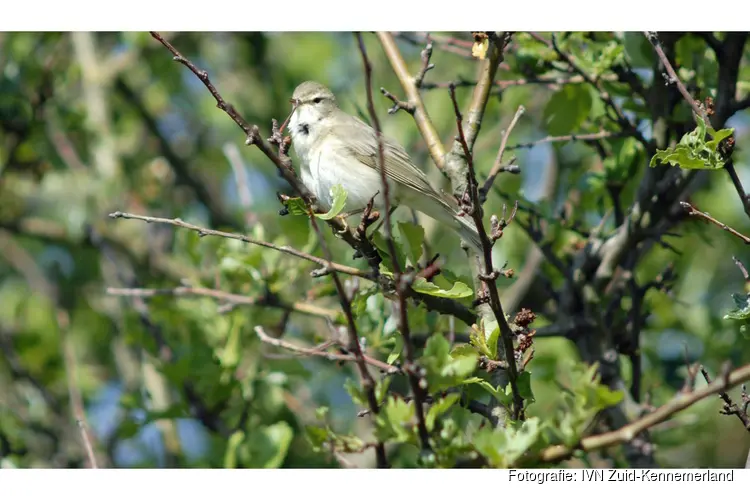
x=176, y=348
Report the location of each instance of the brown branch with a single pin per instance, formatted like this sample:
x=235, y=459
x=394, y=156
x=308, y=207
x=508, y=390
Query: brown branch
x=691, y=210
x=730, y=407
x=421, y=118
x=629, y=432
x=549, y=81
x=490, y=274
x=202, y=231
x=498, y=166
x=399, y=278
x=331, y=356
x=672, y=77
x=231, y=298
x=596, y=136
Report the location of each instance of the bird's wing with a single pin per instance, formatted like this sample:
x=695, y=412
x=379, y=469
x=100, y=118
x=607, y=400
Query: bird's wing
x=398, y=165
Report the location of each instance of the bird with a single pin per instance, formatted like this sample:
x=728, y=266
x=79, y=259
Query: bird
x=336, y=148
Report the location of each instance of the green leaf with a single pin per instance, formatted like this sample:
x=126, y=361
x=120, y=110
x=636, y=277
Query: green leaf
x=444, y=371
x=412, y=239
x=693, y=152
x=499, y=395
x=492, y=342
x=296, y=206
x=459, y=290
x=438, y=408
x=397, y=348
x=523, y=382
x=503, y=447
x=339, y=200
x=567, y=109
x=395, y=422
x=476, y=338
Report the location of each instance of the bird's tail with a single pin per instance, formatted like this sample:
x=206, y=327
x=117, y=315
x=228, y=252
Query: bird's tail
x=463, y=225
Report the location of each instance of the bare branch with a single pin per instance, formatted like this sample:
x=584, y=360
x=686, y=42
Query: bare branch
x=202, y=231
x=331, y=356
x=474, y=208
x=227, y=297
x=498, y=166
x=691, y=210
x=401, y=284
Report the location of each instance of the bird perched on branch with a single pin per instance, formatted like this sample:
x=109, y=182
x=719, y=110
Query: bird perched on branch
x=336, y=148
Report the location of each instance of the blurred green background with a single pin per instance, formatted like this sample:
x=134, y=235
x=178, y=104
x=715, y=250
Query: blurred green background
x=92, y=123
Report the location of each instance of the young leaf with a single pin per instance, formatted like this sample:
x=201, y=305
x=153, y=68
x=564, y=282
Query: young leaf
x=438, y=408
x=339, y=200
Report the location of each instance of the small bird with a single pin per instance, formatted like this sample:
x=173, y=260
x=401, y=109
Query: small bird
x=337, y=148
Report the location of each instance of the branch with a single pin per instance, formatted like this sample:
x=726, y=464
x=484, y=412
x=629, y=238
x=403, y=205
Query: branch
x=498, y=166
x=202, y=231
x=331, y=356
x=422, y=119
x=596, y=136
x=401, y=283
x=490, y=274
x=691, y=210
x=730, y=407
x=672, y=76
x=630, y=432
x=231, y=298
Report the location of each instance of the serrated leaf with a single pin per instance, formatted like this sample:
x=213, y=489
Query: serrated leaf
x=412, y=240
x=438, y=408
x=459, y=290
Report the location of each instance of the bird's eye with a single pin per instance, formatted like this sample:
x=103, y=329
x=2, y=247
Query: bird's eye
x=318, y=100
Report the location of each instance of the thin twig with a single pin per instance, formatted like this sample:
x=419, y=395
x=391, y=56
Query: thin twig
x=490, y=274
x=672, y=75
x=202, y=231
x=496, y=168
x=331, y=356
x=231, y=298
x=401, y=284
x=596, y=136
x=691, y=210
